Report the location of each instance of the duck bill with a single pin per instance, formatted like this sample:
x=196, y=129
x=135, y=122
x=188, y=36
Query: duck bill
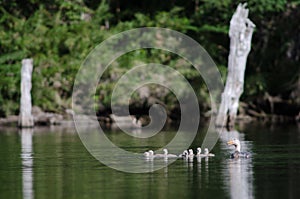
x=231, y=142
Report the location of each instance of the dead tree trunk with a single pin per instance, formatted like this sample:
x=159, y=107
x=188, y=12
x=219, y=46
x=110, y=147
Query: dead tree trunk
x=240, y=33
x=25, y=117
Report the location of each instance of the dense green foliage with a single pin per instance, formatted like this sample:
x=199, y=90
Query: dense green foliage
x=57, y=37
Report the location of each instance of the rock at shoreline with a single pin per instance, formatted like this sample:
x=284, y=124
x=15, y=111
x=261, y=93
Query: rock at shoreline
x=40, y=118
x=45, y=118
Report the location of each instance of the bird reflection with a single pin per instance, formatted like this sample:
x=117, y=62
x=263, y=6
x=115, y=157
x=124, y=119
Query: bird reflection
x=238, y=173
x=240, y=178
x=199, y=159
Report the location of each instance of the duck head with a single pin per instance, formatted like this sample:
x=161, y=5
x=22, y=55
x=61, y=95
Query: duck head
x=206, y=151
x=236, y=143
x=151, y=153
x=198, y=150
x=165, y=151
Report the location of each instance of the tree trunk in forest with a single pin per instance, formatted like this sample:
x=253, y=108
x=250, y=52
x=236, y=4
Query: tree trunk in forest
x=240, y=33
x=25, y=117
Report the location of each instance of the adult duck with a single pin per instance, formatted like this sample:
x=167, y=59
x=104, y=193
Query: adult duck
x=237, y=153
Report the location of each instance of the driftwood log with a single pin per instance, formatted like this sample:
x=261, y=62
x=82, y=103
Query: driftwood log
x=25, y=117
x=240, y=33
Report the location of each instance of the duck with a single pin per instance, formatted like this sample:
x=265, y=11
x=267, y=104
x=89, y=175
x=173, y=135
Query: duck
x=166, y=154
x=237, y=153
x=169, y=155
x=149, y=154
x=198, y=154
x=191, y=153
x=207, y=154
x=184, y=154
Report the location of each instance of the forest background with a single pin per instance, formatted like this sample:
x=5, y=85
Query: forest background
x=58, y=35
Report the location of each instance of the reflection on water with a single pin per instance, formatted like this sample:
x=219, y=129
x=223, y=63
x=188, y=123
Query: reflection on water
x=240, y=178
x=27, y=163
x=238, y=174
x=53, y=163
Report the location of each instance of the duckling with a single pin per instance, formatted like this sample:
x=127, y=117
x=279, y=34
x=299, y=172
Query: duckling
x=191, y=153
x=184, y=154
x=199, y=153
x=166, y=154
x=207, y=154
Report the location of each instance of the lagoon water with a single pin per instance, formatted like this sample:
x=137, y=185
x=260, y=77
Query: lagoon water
x=53, y=163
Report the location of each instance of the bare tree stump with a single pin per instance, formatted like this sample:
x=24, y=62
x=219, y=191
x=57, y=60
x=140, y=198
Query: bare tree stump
x=25, y=117
x=240, y=33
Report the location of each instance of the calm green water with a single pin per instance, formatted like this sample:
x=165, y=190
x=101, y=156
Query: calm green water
x=53, y=163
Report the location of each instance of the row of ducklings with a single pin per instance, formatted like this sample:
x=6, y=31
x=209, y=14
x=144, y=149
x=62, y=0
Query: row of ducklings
x=185, y=154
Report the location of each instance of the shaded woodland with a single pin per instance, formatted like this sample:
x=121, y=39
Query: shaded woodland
x=58, y=35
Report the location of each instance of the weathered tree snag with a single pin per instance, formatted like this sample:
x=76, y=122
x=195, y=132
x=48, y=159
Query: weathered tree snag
x=25, y=117
x=240, y=33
